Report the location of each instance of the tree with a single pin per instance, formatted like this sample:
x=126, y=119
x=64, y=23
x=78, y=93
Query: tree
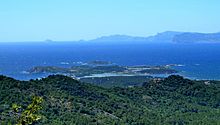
x=29, y=115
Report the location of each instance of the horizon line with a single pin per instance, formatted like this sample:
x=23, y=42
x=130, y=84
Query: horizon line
x=85, y=40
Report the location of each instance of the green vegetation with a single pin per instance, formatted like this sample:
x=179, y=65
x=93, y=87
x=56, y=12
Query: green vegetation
x=173, y=100
x=78, y=71
x=99, y=67
x=28, y=116
x=117, y=81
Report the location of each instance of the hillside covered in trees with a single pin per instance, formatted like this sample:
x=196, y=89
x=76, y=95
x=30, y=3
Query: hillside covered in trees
x=173, y=100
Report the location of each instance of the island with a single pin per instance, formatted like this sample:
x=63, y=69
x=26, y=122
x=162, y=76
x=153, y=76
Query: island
x=107, y=74
x=98, y=68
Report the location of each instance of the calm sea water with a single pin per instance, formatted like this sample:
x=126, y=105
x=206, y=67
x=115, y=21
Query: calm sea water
x=198, y=61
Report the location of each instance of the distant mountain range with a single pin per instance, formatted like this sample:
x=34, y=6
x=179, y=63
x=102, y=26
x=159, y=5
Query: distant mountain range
x=164, y=37
x=197, y=38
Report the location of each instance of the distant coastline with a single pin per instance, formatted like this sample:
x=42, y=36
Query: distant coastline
x=163, y=37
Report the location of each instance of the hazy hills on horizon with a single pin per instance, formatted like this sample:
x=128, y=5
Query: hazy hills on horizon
x=164, y=37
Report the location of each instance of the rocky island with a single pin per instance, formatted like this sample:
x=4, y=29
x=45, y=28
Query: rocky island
x=107, y=74
x=97, y=67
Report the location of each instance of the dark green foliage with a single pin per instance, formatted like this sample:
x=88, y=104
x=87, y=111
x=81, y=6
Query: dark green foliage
x=117, y=81
x=192, y=102
x=173, y=100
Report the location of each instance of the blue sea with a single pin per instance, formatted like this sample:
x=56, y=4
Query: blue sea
x=195, y=61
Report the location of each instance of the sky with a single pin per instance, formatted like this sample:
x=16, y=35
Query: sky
x=66, y=20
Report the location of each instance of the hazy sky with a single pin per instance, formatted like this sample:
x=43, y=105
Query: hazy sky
x=35, y=20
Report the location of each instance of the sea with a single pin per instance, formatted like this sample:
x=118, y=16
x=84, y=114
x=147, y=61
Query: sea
x=194, y=61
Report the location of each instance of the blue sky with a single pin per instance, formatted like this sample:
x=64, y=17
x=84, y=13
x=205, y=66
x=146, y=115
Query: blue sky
x=37, y=20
